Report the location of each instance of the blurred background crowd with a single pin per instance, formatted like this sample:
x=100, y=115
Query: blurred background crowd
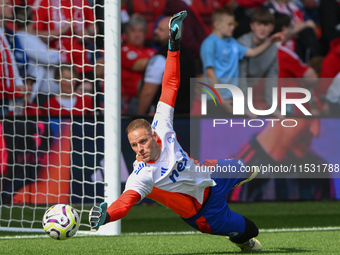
x=52, y=53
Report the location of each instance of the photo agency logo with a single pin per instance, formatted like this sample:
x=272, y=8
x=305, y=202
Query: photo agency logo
x=238, y=100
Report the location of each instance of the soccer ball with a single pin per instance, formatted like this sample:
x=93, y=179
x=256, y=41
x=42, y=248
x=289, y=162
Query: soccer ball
x=61, y=221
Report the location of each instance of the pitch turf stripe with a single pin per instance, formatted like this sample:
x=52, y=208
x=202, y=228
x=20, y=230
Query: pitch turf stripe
x=274, y=230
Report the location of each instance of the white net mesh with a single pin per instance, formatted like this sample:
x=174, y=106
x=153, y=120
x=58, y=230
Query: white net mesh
x=52, y=129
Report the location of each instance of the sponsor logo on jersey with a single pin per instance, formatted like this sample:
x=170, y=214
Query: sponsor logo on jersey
x=180, y=166
x=131, y=55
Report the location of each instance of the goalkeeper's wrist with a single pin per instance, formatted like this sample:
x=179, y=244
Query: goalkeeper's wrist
x=107, y=218
x=174, y=45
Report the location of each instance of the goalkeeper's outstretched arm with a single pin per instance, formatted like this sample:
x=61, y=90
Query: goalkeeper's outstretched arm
x=100, y=215
x=171, y=77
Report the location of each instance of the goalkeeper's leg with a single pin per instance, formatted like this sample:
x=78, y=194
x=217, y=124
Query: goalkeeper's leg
x=216, y=217
x=250, y=176
x=247, y=240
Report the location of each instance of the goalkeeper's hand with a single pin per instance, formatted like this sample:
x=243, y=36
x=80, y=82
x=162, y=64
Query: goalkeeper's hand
x=98, y=215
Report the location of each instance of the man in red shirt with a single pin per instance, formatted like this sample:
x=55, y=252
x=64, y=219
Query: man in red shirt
x=134, y=57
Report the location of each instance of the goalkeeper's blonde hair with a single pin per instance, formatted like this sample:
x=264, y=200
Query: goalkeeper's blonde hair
x=138, y=123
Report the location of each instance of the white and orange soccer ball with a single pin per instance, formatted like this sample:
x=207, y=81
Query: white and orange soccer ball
x=61, y=221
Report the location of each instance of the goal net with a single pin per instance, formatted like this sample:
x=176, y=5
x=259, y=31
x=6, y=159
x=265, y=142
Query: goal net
x=52, y=140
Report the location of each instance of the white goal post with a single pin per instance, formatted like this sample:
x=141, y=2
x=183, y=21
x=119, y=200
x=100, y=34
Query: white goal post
x=47, y=156
x=112, y=110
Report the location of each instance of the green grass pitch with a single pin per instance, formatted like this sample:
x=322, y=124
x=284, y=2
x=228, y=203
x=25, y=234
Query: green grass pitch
x=150, y=219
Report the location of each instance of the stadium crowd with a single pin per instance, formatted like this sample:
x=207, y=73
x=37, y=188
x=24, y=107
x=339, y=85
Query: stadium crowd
x=52, y=55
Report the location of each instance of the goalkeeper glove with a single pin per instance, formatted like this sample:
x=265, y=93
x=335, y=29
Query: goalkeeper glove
x=175, y=30
x=98, y=215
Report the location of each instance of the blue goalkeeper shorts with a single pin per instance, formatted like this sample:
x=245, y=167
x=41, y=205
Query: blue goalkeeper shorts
x=215, y=216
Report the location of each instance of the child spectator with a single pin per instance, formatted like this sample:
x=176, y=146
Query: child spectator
x=244, y=10
x=221, y=54
x=67, y=102
x=264, y=65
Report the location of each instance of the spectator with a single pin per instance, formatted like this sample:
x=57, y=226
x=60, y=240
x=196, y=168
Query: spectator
x=328, y=68
x=329, y=14
x=332, y=104
x=152, y=80
x=67, y=102
x=264, y=65
x=85, y=88
x=27, y=107
x=304, y=41
x=41, y=61
x=11, y=84
x=67, y=26
x=31, y=108
x=291, y=66
x=151, y=10
x=221, y=53
x=134, y=56
x=124, y=17
x=311, y=8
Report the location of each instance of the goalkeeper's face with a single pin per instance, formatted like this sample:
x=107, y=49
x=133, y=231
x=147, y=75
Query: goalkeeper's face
x=144, y=143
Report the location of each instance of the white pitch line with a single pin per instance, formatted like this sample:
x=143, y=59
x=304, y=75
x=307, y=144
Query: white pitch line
x=274, y=230
x=278, y=230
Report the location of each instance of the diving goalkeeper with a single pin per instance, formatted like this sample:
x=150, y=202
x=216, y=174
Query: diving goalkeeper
x=165, y=173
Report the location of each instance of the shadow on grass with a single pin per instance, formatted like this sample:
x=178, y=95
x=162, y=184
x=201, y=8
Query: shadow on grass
x=276, y=251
